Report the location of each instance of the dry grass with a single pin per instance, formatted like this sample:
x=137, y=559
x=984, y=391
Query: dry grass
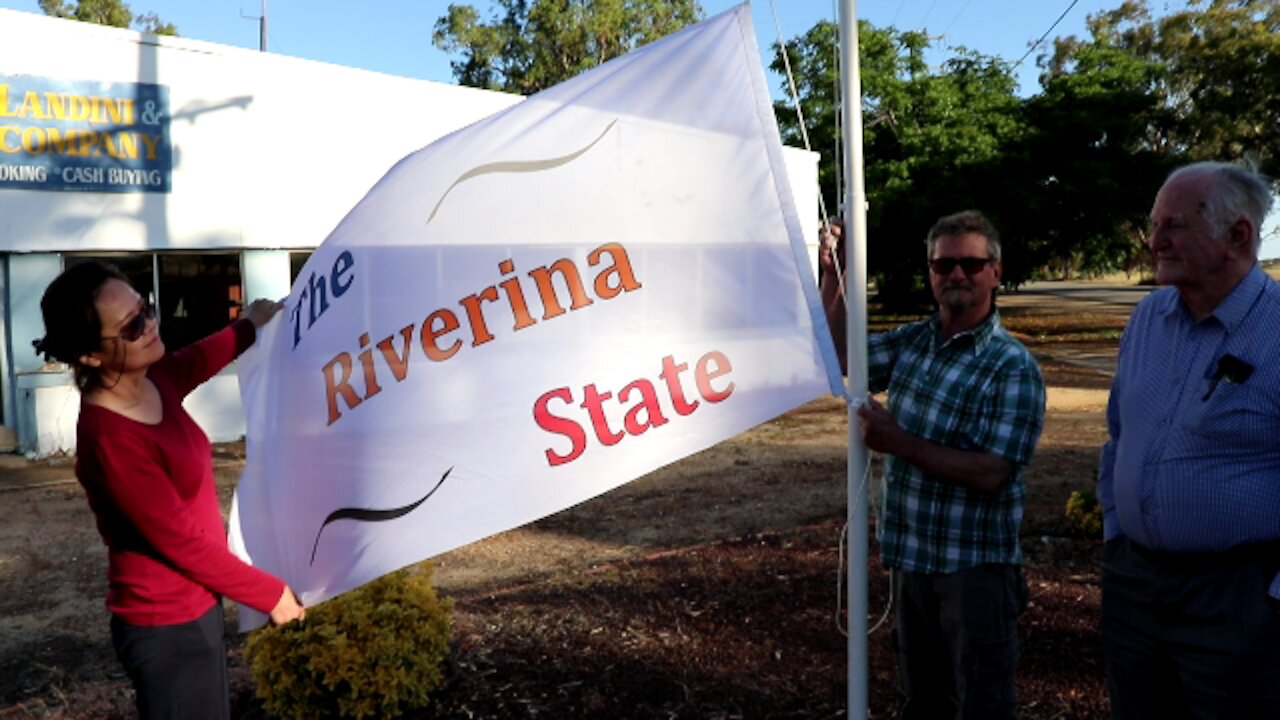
x=1272, y=267
x=704, y=590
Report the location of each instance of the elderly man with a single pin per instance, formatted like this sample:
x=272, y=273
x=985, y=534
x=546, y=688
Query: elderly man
x=1189, y=481
x=966, y=407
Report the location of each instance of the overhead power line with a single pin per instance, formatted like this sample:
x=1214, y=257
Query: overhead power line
x=1036, y=44
x=894, y=20
x=927, y=13
x=957, y=17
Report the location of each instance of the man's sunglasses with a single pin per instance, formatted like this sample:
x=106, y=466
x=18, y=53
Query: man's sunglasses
x=970, y=265
x=136, y=326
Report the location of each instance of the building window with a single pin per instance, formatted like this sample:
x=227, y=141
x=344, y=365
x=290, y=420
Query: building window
x=195, y=294
x=199, y=294
x=297, y=258
x=138, y=267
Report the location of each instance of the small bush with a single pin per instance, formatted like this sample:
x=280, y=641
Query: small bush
x=1084, y=513
x=376, y=651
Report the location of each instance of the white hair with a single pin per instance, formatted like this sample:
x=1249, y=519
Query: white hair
x=1234, y=192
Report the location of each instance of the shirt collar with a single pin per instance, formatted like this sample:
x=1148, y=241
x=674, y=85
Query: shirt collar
x=979, y=334
x=1233, y=308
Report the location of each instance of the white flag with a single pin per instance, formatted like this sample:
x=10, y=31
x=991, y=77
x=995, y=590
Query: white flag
x=531, y=311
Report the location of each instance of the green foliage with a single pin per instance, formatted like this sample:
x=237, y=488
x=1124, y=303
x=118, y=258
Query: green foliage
x=1216, y=79
x=535, y=44
x=932, y=139
x=1067, y=175
x=151, y=23
x=1090, y=163
x=1139, y=96
x=376, y=651
x=1084, y=513
x=114, y=13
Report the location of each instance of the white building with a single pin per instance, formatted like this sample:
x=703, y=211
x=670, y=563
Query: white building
x=205, y=172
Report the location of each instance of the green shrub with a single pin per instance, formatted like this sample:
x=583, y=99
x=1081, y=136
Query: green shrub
x=376, y=651
x=1084, y=513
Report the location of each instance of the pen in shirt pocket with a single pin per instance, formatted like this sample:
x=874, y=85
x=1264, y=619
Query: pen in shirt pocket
x=1235, y=370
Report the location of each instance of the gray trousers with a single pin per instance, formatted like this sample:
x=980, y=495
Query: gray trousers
x=178, y=671
x=1190, y=635
x=957, y=641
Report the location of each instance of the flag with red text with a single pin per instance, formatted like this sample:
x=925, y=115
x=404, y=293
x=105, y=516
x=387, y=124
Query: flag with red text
x=594, y=283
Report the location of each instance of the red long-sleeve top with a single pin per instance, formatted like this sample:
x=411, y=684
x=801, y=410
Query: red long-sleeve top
x=152, y=490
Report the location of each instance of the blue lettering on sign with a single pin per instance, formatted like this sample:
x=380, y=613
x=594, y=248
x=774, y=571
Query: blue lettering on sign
x=315, y=293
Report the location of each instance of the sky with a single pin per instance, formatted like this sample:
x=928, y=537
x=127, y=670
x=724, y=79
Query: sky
x=394, y=36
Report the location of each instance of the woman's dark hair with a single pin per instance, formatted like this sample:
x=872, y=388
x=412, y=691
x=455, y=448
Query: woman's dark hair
x=72, y=327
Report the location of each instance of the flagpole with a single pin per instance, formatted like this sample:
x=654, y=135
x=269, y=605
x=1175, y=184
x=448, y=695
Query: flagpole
x=855, y=263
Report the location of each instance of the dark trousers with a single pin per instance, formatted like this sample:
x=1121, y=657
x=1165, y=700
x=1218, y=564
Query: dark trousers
x=957, y=641
x=1190, y=635
x=178, y=671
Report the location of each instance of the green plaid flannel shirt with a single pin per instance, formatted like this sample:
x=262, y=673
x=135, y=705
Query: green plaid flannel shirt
x=980, y=390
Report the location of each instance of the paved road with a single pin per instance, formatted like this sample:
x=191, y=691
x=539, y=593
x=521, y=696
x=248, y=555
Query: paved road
x=1088, y=296
x=1080, y=297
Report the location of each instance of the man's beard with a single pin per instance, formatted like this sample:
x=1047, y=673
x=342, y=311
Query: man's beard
x=958, y=297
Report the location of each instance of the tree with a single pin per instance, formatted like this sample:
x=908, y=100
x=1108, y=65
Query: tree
x=1138, y=97
x=114, y=13
x=1068, y=174
x=151, y=23
x=1218, y=79
x=1091, y=162
x=931, y=141
x=535, y=44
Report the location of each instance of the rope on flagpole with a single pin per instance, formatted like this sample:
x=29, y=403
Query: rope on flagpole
x=795, y=100
x=844, y=535
x=804, y=136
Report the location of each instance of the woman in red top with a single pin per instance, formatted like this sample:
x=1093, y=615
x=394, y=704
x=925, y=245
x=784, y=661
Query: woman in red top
x=147, y=471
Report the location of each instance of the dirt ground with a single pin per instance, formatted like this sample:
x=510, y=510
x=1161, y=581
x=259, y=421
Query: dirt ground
x=708, y=589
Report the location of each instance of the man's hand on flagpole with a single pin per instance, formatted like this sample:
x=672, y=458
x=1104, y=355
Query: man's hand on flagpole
x=831, y=247
x=831, y=284
x=880, y=431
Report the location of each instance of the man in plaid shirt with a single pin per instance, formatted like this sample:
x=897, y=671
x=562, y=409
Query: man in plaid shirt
x=965, y=409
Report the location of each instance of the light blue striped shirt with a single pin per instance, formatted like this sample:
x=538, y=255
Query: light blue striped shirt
x=1193, y=464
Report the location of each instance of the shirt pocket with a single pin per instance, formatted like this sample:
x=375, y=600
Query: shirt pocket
x=1235, y=415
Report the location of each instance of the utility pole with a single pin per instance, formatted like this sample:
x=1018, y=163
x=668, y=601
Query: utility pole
x=262, y=25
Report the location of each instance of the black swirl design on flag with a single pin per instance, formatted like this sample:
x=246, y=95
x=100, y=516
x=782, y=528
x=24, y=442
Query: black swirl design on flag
x=367, y=515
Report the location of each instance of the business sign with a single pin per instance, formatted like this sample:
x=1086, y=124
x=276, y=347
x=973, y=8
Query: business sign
x=89, y=136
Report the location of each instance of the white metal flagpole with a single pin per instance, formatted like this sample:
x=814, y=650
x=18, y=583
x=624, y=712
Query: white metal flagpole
x=855, y=263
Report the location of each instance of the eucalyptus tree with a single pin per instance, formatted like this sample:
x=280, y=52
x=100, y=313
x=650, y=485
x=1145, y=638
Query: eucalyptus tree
x=114, y=13
x=529, y=45
x=1217, y=74
x=1140, y=95
x=933, y=138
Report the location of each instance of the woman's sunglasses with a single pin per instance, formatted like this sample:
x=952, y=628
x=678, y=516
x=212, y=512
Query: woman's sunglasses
x=137, y=325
